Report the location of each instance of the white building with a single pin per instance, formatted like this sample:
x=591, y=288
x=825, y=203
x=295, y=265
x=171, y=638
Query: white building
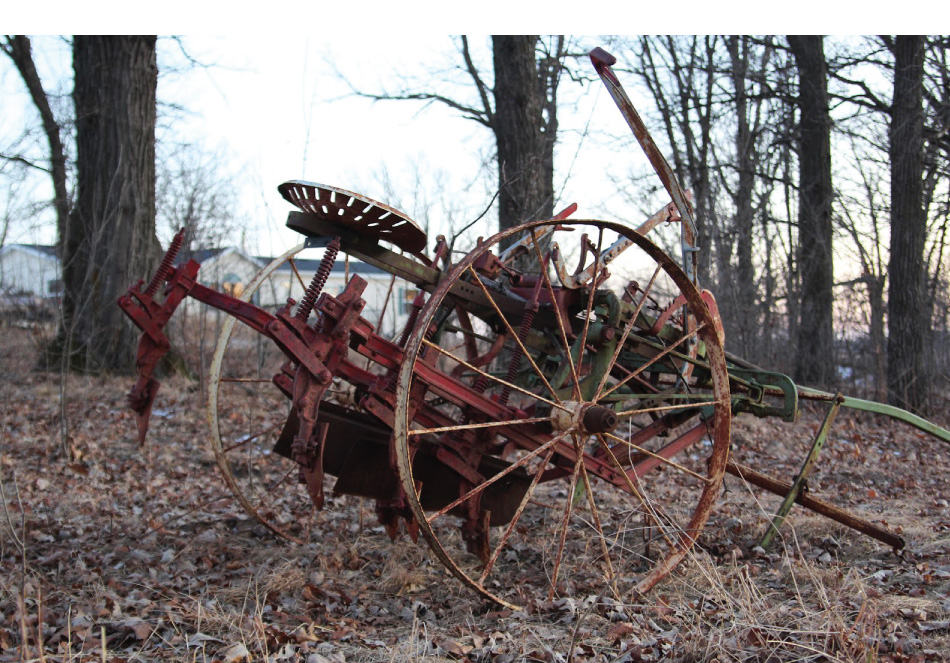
x=29, y=277
x=284, y=283
x=227, y=270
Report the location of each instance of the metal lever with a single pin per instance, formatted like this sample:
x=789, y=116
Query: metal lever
x=602, y=61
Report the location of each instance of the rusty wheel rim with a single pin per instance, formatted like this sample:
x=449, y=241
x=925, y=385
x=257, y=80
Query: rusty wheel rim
x=594, y=457
x=246, y=414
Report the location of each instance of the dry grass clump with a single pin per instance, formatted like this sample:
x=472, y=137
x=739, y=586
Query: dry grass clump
x=117, y=552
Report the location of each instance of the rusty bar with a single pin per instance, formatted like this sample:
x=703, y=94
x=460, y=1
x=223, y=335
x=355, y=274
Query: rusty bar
x=821, y=507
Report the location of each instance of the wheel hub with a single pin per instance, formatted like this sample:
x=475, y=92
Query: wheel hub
x=582, y=417
x=600, y=419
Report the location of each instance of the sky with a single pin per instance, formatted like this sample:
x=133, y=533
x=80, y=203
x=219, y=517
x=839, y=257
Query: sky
x=269, y=101
x=276, y=108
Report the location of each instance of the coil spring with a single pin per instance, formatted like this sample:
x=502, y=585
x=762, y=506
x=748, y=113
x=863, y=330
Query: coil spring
x=526, y=323
x=481, y=383
x=319, y=280
x=410, y=325
x=407, y=330
x=165, y=268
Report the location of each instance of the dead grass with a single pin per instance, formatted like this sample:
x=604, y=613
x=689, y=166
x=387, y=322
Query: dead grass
x=135, y=554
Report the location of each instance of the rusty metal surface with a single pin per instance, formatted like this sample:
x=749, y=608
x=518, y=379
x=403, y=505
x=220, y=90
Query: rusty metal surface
x=414, y=371
x=449, y=429
x=779, y=487
x=356, y=212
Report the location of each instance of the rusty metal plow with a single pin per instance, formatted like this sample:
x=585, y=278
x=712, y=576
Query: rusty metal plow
x=545, y=434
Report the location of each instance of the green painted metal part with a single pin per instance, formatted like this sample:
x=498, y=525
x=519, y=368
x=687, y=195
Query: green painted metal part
x=879, y=408
x=759, y=383
x=798, y=484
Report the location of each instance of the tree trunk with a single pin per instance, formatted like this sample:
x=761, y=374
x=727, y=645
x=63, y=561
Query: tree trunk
x=524, y=136
x=907, y=324
x=110, y=236
x=815, y=356
x=744, y=313
x=875, y=286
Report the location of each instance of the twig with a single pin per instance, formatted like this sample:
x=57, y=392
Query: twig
x=180, y=516
x=577, y=628
x=6, y=512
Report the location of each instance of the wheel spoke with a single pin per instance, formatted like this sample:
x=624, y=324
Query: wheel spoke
x=666, y=408
x=525, y=500
x=662, y=459
x=590, y=299
x=665, y=352
x=568, y=506
x=260, y=380
x=448, y=354
x=626, y=333
x=280, y=481
x=595, y=515
x=508, y=470
x=486, y=424
x=636, y=492
x=514, y=335
x=565, y=345
x=251, y=438
x=293, y=266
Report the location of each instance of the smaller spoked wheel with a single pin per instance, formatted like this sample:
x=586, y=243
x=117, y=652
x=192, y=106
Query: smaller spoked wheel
x=555, y=441
x=247, y=412
x=248, y=408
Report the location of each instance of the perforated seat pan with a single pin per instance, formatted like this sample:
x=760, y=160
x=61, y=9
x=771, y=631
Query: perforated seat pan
x=356, y=212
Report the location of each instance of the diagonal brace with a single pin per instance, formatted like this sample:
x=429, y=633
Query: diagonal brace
x=799, y=483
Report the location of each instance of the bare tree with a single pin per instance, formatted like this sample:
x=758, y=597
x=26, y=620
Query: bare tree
x=908, y=326
x=20, y=51
x=109, y=239
x=194, y=192
x=520, y=108
x=815, y=347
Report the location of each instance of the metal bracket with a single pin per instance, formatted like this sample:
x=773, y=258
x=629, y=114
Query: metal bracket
x=761, y=383
x=316, y=242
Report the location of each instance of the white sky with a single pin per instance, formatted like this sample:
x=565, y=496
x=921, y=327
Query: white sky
x=273, y=105
x=276, y=109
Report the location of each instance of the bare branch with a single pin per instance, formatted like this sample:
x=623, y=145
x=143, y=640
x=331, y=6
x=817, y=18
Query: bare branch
x=467, y=111
x=16, y=158
x=489, y=116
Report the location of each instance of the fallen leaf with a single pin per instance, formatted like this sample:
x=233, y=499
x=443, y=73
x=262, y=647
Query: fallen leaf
x=234, y=653
x=141, y=629
x=619, y=631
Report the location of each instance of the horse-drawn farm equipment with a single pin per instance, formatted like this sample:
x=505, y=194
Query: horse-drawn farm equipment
x=530, y=413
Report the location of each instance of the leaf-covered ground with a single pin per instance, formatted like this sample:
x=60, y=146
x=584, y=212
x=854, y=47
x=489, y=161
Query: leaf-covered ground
x=113, y=552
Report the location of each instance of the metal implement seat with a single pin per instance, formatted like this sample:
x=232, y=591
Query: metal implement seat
x=352, y=211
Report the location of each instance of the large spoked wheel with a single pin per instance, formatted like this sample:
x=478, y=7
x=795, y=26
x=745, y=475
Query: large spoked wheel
x=587, y=441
